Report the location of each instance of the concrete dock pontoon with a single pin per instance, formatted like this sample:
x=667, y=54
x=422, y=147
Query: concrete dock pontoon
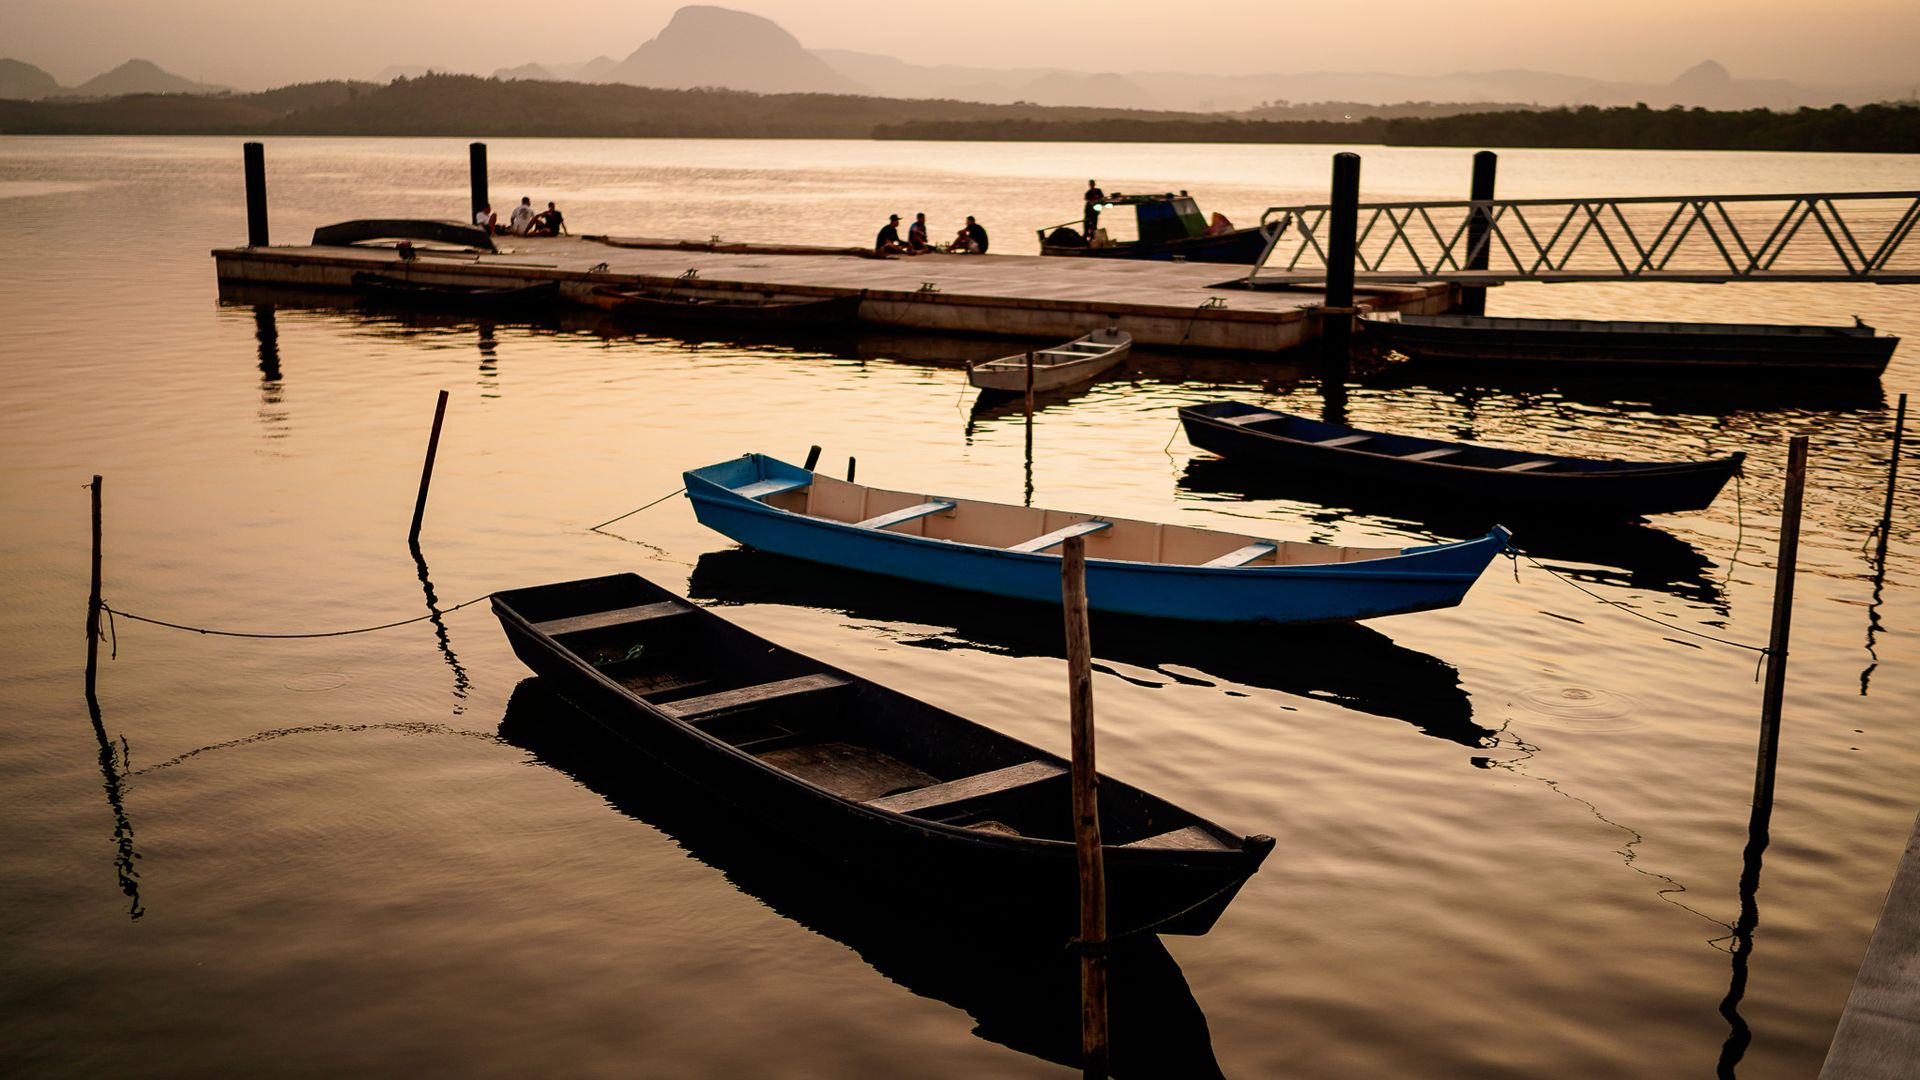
x=1162, y=304
x=1879, y=1033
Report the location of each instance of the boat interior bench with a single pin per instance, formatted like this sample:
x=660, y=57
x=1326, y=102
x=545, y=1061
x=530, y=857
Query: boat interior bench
x=762, y=488
x=1245, y=555
x=967, y=788
x=706, y=705
x=906, y=514
x=1060, y=536
x=1429, y=455
x=1344, y=440
x=1527, y=466
x=1248, y=418
x=601, y=620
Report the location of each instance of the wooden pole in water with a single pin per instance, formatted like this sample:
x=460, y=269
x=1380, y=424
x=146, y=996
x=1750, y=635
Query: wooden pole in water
x=1029, y=383
x=477, y=177
x=93, y=598
x=1776, y=676
x=255, y=157
x=1893, y=474
x=426, y=470
x=1086, y=813
x=1473, y=299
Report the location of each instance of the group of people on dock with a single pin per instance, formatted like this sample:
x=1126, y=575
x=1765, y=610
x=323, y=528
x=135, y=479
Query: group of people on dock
x=971, y=239
x=523, y=222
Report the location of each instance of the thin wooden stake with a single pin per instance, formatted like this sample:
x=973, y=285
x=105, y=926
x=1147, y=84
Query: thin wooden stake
x=1776, y=677
x=426, y=471
x=93, y=599
x=1029, y=382
x=1086, y=813
x=1893, y=474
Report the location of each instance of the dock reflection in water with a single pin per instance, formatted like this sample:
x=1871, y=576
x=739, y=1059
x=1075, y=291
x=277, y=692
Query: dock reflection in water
x=1022, y=993
x=1352, y=666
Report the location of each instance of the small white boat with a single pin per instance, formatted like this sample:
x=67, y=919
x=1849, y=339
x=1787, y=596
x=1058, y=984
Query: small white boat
x=1063, y=365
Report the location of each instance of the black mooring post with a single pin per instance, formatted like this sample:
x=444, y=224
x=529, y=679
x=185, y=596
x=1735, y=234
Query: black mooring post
x=477, y=170
x=1343, y=224
x=1473, y=299
x=255, y=156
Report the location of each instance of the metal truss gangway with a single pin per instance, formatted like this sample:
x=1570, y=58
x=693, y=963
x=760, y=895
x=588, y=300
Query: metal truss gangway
x=1824, y=236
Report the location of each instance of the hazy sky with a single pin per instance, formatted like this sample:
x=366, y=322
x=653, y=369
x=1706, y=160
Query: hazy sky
x=258, y=43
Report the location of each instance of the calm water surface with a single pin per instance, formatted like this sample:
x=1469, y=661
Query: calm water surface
x=1510, y=833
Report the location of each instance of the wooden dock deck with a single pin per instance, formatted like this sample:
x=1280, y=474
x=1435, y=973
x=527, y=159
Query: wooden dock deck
x=1162, y=304
x=1879, y=1033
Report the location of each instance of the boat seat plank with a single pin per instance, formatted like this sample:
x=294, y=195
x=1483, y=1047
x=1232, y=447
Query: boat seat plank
x=1057, y=536
x=1248, y=418
x=1245, y=555
x=1344, y=440
x=1191, y=838
x=969, y=787
x=600, y=620
x=709, y=704
x=903, y=515
x=1527, y=466
x=763, y=488
x=1429, y=455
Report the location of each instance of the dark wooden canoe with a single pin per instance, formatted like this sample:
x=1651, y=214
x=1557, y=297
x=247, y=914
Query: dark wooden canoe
x=948, y=811
x=1748, y=349
x=1429, y=469
x=405, y=292
x=668, y=305
x=437, y=232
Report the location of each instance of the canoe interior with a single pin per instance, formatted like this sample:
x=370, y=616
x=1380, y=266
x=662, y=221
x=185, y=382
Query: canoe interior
x=999, y=525
x=1359, y=441
x=829, y=730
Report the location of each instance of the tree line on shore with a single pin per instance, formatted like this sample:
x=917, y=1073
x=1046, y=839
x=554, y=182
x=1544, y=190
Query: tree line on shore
x=466, y=106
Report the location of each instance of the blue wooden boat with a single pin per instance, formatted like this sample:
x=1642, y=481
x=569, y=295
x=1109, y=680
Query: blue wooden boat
x=1133, y=567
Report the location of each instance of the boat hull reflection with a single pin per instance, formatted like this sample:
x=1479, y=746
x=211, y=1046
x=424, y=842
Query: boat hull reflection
x=1022, y=990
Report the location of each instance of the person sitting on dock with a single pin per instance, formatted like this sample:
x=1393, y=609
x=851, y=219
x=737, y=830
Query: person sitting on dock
x=888, y=240
x=979, y=235
x=963, y=243
x=917, y=235
x=549, y=222
x=484, y=218
x=522, y=219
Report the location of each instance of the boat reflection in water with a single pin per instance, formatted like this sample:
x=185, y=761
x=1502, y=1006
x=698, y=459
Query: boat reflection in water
x=1640, y=555
x=1022, y=992
x=1346, y=664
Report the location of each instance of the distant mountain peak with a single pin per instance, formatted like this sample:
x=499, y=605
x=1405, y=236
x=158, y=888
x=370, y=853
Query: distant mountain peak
x=1705, y=75
x=703, y=45
x=138, y=76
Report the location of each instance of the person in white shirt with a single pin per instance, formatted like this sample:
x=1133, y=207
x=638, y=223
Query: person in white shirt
x=522, y=217
x=484, y=218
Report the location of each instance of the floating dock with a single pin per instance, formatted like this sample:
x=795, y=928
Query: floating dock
x=1879, y=1033
x=1173, y=305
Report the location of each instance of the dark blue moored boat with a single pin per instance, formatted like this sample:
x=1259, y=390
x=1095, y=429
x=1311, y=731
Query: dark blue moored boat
x=1429, y=469
x=1133, y=567
x=930, y=807
x=1167, y=227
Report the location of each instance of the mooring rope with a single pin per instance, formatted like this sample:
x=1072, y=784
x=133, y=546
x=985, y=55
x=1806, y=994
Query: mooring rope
x=112, y=613
x=1516, y=555
x=636, y=510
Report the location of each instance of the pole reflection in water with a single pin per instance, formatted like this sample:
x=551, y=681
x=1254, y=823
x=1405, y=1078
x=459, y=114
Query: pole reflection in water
x=266, y=332
x=114, y=765
x=1351, y=666
x=1023, y=993
x=489, y=354
x=1739, y=1035
x=1027, y=498
x=460, y=680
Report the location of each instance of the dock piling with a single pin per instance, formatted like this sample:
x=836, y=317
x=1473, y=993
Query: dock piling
x=255, y=156
x=1473, y=299
x=1342, y=224
x=1086, y=813
x=477, y=177
x=93, y=601
x=1776, y=675
x=426, y=470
